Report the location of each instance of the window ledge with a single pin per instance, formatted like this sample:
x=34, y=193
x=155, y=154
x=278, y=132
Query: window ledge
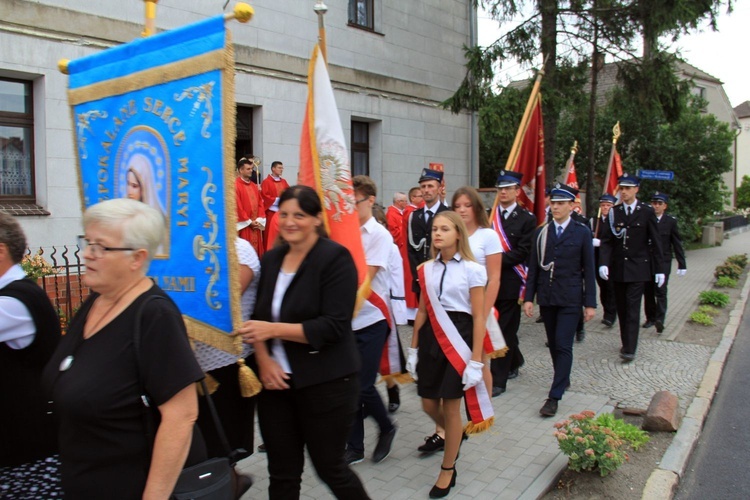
x=23, y=209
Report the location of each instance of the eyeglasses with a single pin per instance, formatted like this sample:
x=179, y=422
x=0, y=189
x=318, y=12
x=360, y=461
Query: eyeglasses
x=98, y=250
x=357, y=202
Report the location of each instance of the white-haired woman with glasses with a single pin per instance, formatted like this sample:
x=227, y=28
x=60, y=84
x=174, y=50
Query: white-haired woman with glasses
x=110, y=447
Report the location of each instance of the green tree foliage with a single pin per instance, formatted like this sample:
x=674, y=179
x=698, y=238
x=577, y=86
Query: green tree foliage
x=743, y=193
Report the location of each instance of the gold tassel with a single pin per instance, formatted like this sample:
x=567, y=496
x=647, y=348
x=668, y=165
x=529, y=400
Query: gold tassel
x=249, y=383
x=500, y=353
x=211, y=383
x=400, y=378
x=472, y=428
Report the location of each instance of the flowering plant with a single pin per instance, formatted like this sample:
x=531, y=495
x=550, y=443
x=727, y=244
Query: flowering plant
x=598, y=442
x=37, y=267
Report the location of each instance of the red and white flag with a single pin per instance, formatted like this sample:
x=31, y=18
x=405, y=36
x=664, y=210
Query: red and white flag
x=530, y=163
x=324, y=165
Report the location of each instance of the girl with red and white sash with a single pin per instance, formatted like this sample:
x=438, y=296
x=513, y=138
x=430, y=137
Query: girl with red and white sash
x=446, y=353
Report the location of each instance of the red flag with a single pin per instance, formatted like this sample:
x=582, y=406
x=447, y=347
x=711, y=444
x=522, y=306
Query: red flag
x=530, y=163
x=615, y=172
x=324, y=165
x=572, y=180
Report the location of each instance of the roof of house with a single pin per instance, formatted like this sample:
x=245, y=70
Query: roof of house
x=743, y=110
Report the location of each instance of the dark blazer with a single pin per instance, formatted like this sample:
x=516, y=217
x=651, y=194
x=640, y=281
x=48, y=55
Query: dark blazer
x=418, y=229
x=571, y=283
x=519, y=228
x=321, y=296
x=635, y=257
x=671, y=241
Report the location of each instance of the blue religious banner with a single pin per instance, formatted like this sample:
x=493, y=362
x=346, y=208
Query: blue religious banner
x=154, y=120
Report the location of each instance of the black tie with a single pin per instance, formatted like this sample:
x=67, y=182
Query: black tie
x=505, y=214
x=629, y=210
x=427, y=216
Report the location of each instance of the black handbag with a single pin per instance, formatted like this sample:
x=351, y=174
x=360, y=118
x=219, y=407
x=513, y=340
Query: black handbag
x=212, y=479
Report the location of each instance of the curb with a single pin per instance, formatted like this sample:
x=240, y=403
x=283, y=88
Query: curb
x=663, y=481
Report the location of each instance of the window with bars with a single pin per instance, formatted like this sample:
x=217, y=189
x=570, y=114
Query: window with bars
x=360, y=148
x=16, y=141
x=361, y=13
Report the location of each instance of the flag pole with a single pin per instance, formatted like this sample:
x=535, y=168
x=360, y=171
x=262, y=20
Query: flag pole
x=573, y=151
x=615, y=136
x=521, y=132
x=150, y=24
x=241, y=12
x=320, y=9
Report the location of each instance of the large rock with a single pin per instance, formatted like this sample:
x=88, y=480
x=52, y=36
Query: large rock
x=663, y=413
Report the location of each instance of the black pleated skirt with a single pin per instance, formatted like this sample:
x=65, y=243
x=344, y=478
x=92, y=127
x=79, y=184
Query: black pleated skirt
x=436, y=377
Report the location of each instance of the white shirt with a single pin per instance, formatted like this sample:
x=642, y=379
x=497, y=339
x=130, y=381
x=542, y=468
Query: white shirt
x=484, y=242
x=509, y=209
x=432, y=209
x=632, y=206
x=564, y=225
x=396, y=274
x=377, y=243
x=17, y=328
x=277, y=348
x=452, y=282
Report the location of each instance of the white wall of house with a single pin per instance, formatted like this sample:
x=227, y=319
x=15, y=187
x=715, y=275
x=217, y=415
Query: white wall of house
x=394, y=78
x=743, y=149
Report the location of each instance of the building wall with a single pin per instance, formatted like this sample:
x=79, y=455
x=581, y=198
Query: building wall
x=743, y=149
x=394, y=78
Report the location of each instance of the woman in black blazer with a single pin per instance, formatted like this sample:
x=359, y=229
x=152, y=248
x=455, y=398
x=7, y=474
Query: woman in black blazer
x=305, y=351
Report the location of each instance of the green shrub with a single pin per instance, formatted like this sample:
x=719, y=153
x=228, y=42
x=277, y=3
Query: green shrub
x=596, y=443
x=701, y=318
x=711, y=311
x=728, y=269
x=739, y=260
x=726, y=282
x=713, y=298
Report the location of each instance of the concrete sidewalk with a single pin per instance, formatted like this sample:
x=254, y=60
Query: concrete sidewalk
x=518, y=457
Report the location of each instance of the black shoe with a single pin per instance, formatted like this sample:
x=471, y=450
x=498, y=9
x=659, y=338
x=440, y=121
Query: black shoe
x=627, y=358
x=580, y=335
x=549, y=409
x=648, y=324
x=659, y=326
x=608, y=323
x=394, y=400
x=262, y=448
x=383, y=448
x=352, y=457
x=496, y=391
x=436, y=492
x=432, y=444
x=513, y=374
x=539, y=319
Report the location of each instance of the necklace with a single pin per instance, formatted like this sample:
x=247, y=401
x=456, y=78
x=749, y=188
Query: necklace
x=67, y=362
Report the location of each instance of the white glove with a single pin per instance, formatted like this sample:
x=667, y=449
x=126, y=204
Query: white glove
x=472, y=374
x=681, y=272
x=659, y=279
x=604, y=272
x=412, y=354
x=597, y=242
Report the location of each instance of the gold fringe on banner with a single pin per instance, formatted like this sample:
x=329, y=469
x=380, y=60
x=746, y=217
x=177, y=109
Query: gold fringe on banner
x=401, y=378
x=472, y=428
x=500, y=353
x=211, y=384
x=249, y=383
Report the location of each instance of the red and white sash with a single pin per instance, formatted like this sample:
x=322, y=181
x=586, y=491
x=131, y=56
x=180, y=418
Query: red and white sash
x=392, y=361
x=457, y=352
x=520, y=269
x=494, y=342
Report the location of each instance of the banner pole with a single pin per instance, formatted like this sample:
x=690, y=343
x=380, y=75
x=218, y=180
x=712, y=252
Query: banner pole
x=150, y=24
x=573, y=151
x=320, y=9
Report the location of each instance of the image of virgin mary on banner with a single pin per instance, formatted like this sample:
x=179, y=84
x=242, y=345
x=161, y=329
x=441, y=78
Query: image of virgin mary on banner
x=154, y=120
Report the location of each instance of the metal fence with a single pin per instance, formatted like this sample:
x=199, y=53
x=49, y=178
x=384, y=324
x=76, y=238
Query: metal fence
x=65, y=288
x=734, y=222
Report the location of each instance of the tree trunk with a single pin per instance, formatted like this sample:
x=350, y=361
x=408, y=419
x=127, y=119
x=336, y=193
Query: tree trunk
x=549, y=11
x=597, y=62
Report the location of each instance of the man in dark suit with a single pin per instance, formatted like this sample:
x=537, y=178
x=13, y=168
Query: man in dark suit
x=631, y=248
x=606, y=290
x=419, y=224
x=655, y=298
x=516, y=231
x=561, y=277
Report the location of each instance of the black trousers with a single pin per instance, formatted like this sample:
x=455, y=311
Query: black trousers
x=320, y=418
x=628, y=297
x=561, y=324
x=607, y=298
x=509, y=321
x=655, y=300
